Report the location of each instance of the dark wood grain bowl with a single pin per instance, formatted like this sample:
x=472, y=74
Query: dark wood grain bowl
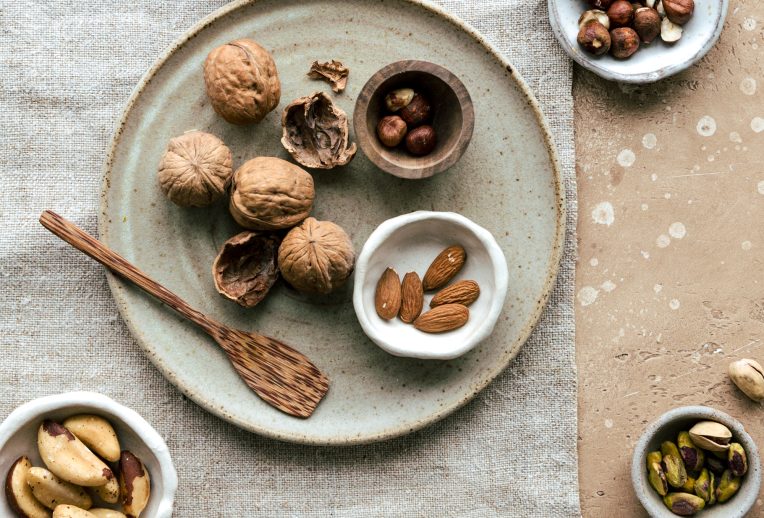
x=453, y=118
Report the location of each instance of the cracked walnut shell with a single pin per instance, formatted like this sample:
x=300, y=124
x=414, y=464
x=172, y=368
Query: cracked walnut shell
x=315, y=132
x=269, y=193
x=246, y=267
x=242, y=81
x=195, y=169
x=316, y=257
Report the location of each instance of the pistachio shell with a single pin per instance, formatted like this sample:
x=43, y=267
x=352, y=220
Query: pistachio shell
x=748, y=375
x=711, y=436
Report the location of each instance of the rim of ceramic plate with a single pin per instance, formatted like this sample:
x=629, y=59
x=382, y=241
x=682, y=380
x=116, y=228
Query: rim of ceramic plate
x=116, y=285
x=641, y=78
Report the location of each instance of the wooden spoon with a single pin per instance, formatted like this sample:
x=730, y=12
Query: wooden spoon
x=281, y=376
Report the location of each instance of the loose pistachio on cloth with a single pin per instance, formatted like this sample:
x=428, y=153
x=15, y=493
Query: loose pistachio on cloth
x=748, y=375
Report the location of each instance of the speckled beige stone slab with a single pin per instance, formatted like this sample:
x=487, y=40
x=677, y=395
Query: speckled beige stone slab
x=671, y=248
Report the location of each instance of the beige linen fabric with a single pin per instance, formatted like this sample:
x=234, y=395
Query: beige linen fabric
x=67, y=68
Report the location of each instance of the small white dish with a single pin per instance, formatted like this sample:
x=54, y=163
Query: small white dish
x=666, y=428
x=409, y=243
x=652, y=62
x=18, y=436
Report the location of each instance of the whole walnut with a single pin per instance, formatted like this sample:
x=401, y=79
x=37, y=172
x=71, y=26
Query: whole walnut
x=195, y=169
x=316, y=257
x=242, y=81
x=269, y=193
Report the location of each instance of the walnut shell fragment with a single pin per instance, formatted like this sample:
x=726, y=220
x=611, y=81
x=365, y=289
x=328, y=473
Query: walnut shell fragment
x=195, y=169
x=316, y=257
x=334, y=72
x=242, y=82
x=269, y=193
x=315, y=132
x=247, y=267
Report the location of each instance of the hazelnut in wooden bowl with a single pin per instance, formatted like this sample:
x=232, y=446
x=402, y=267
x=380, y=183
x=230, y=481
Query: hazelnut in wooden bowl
x=425, y=137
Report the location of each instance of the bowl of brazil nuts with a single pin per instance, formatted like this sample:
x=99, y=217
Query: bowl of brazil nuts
x=696, y=460
x=81, y=454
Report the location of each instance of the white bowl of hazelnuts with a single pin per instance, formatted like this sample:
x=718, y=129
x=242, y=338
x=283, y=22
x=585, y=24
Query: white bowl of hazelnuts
x=637, y=41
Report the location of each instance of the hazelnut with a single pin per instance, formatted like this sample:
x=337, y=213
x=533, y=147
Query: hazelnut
x=417, y=111
x=623, y=42
x=647, y=23
x=398, y=99
x=621, y=13
x=594, y=15
x=594, y=38
x=421, y=141
x=600, y=4
x=670, y=32
x=679, y=11
x=391, y=130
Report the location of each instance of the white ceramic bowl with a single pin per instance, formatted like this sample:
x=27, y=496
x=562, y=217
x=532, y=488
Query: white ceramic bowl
x=651, y=62
x=18, y=436
x=410, y=243
x=666, y=427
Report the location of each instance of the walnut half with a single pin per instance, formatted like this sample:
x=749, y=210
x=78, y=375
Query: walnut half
x=246, y=267
x=315, y=132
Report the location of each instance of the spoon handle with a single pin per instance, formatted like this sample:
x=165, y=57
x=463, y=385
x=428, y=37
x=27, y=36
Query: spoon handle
x=89, y=245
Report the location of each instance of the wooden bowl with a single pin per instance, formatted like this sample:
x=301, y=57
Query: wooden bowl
x=454, y=118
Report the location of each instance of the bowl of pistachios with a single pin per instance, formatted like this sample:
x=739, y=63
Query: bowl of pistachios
x=696, y=460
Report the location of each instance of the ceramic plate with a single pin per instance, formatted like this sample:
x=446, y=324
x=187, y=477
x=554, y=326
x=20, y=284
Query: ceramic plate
x=507, y=181
x=651, y=62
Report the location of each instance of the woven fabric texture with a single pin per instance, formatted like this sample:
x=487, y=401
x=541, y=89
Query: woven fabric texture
x=67, y=67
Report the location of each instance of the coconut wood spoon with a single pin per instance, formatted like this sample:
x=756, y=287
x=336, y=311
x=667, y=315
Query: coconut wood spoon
x=280, y=375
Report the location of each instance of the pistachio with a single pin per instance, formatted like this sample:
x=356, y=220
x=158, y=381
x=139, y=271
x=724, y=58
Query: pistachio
x=683, y=504
x=655, y=473
x=711, y=436
x=691, y=455
x=676, y=474
x=728, y=486
x=702, y=485
x=713, y=483
x=715, y=465
x=689, y=486
x=748, y=375
x=738, y=461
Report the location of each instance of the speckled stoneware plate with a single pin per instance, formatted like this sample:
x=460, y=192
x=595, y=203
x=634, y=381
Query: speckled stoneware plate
x=651, y=62
x=507, y=181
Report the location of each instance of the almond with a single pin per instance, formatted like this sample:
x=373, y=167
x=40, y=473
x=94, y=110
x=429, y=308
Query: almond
x=444, y=267
x=412, y=297
x=462, y=292
x=443, y=318
x=387, y=299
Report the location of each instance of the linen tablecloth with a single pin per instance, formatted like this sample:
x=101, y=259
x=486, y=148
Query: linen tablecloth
x=67, y=68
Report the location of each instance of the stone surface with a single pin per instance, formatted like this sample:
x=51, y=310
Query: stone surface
x=671, y=247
